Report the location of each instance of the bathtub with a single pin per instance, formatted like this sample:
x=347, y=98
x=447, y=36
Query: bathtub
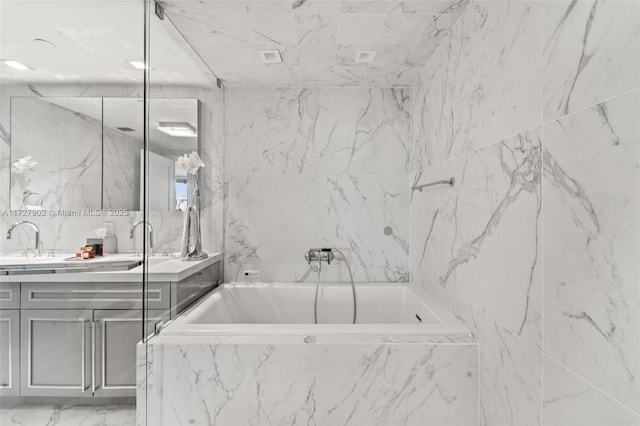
x=251, y=354
x=287, y=309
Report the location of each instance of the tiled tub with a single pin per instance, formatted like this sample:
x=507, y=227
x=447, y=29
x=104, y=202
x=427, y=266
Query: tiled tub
x=250, y=354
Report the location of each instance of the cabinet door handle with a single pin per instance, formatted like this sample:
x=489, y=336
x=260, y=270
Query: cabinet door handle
x=84, y=354
x=93, y=357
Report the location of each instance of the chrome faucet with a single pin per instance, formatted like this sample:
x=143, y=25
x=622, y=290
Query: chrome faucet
x=149, y=228
x=319, y=255
x=35, y=228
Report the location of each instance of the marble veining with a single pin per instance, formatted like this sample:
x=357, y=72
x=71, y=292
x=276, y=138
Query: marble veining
x=235, y=385
x=461, y=103
x=397, y=385
x=68, y=233
x=69, y=178
x=591, y=53
x=313, y=384
x=510, y=368
x=592, y=300
x=490, y=232
x=121, y=163
x=308, y=34
x=69, y=415
x=570, y=401
x=338, y=160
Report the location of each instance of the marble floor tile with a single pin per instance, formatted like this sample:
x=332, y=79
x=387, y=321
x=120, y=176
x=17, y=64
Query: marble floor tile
x=69, y=415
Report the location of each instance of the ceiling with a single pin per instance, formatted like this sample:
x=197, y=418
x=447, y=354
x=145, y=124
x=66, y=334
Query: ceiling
x=91, y=41
x=128, y=112
x=318, y=39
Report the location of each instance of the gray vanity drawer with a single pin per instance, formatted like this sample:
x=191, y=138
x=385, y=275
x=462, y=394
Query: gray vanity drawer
x=9, y=295
x=94, y=295
x=192, y=288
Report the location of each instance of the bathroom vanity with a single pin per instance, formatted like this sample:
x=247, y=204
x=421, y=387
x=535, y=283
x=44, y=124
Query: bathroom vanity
x=74, y=334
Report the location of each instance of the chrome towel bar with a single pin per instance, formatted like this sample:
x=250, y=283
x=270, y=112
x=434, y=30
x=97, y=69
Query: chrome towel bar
x=451, y=182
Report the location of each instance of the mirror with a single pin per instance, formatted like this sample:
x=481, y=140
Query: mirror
x=86, y=153
x=45, y=173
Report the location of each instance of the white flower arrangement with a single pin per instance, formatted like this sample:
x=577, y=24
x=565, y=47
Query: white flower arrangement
x=21, y=165
x=191, y=162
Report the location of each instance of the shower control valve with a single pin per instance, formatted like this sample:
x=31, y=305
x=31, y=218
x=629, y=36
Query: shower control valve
x=319, y=255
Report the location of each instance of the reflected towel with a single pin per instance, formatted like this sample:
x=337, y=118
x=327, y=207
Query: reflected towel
x=190, y=231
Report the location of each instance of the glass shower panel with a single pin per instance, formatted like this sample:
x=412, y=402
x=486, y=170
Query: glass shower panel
x=71, y=265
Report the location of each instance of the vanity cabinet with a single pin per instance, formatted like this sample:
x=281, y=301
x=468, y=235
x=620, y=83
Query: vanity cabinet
x=9, y=339
x=56, y=352
x=116, y=336
x=76, y=353
x=78, y=339
x=9, y=352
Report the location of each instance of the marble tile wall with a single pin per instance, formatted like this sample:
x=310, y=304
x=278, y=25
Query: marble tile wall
x=532, y=106
x=312, y=168
x=318, y=39
x=68, y=233
x=121, y=180
x=62, y=176
x=310, y=384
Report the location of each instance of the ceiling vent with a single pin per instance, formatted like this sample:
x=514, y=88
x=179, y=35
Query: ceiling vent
x=365, y=56
x=125, y=129
x=270, y=56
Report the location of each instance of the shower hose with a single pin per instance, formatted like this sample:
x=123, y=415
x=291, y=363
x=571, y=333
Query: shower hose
x=353, y=287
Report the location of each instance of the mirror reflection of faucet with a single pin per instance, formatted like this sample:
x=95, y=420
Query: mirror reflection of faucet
x=35, y=228
x=148, y=227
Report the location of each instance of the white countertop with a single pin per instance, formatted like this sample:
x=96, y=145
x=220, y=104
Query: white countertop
x=160, y=269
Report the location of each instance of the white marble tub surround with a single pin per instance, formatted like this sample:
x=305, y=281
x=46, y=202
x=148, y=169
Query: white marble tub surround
x=389, y=374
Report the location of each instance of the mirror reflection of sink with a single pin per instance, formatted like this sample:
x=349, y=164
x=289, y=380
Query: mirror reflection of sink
x=21, y=260
x=53, y=265
x=57, y=265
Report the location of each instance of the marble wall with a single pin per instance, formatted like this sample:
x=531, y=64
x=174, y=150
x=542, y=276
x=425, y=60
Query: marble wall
x=533, y=107
x=68, y=233
x=317, y=168
x=301, y=381
x=63, y=177
x=121, y=177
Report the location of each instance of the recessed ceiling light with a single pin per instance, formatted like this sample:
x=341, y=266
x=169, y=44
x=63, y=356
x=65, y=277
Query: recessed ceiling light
x=139, y=65
x=178, y=129
x=270, y=56
x=365, y=56
x=16, y=65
